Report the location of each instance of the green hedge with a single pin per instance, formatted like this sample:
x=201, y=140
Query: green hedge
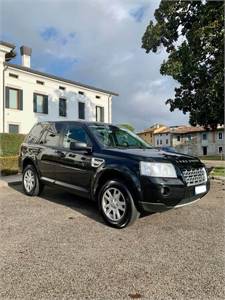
x=10, y=143
x=9, y=165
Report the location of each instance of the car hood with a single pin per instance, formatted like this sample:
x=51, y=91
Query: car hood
x=155, y=155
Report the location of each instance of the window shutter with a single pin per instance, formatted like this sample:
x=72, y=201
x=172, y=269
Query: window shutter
x=102, y=114
x=35, y=102
x=21, y=99
x=65, y=108
x=7, y=97
x=45, y=105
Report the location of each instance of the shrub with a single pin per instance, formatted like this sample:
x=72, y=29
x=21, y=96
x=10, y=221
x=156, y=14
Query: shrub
x=9, y=165
x=10, y=143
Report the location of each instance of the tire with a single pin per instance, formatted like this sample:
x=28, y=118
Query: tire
x=121, y=211
x=31, y=182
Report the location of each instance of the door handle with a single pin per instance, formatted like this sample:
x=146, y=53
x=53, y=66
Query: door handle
x=60, y=153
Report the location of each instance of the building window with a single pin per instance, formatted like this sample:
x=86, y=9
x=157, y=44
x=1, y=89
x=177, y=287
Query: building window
x=97, y=97
x=220, y=150
x=81, y=110
x=81, y=93
x=178, y=138
x=157, y=142
x=13, y=75
x=62, y=107
x=220, y=135
x=14, y=98
x=40, y=103
x=167, y=141
x=160, y=142
x=99, y=114
x=189, y=137
x=204, y=136
x=13, y=128
x=62, y=88
x=40, y=82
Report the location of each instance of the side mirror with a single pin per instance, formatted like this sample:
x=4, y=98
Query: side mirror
x=79, y=146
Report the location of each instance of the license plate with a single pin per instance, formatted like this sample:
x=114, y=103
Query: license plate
x=200, y=189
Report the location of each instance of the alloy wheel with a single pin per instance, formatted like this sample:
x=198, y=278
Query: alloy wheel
x=114, y=204
x=29, y=180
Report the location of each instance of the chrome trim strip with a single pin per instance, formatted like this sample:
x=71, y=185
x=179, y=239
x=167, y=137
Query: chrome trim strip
x=71, y=186
x=176, y=206
x=47, y=179
x=64, y=184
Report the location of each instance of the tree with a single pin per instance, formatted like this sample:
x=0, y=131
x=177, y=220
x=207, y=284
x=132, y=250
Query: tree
x=127, y=126
x=192, y=32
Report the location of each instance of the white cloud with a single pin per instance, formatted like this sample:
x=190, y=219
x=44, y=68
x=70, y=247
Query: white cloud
x=106, y=42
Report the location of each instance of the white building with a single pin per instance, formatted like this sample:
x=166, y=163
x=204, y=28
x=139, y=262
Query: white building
x=28, y=96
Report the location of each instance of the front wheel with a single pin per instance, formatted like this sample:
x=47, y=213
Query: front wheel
x=31, y=183
x=116, y=204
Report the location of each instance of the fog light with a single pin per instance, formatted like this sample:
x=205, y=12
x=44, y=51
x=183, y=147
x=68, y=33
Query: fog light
x=165, y=191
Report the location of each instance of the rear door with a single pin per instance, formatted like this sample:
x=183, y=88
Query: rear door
x=49, y=158
x=75, y=169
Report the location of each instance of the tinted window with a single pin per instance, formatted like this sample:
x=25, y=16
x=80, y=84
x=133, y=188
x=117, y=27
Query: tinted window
x=35, y=133
x=112, y=136
x=74, y=133
x=51, y=135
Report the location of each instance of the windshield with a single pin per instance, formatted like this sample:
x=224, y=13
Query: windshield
x=112, y=136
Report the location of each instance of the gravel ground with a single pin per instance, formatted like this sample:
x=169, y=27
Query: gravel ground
x=57, y=247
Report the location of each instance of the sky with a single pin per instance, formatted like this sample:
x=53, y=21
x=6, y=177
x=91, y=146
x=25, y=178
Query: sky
x=97, y=42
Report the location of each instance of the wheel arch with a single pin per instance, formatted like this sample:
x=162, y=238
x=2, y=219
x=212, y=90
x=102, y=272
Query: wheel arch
x=123, y=174
x=29, y=161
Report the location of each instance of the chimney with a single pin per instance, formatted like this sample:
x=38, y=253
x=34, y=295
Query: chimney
x=26, y=54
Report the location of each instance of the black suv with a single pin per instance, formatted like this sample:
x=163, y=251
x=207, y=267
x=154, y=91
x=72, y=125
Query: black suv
x=111, y=166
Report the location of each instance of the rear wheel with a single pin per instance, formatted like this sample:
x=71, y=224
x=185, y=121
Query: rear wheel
x=31, y=182
x=116, y=204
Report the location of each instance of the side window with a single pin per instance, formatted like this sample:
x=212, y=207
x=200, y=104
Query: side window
x=74, y=133
x=35, y=134
x=51, y=135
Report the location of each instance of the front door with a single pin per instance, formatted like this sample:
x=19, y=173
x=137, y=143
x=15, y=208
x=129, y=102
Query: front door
x=204, y=149
x=75, y=167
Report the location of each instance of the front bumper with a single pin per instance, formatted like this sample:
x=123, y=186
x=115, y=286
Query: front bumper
x=164, y=194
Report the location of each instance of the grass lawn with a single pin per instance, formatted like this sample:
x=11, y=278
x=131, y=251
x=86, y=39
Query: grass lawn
x=212, y=157
x=218, y=171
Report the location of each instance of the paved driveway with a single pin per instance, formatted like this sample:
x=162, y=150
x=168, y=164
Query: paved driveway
x=56, y=247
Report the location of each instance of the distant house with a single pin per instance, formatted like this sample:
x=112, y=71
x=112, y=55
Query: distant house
x=189, y=139
x=198, y=141
x=28, y=96
x=149, y=133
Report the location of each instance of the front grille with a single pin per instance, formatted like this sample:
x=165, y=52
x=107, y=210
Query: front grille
x=195, y=176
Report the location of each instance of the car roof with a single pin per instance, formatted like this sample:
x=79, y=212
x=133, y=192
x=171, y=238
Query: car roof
x=75, y=122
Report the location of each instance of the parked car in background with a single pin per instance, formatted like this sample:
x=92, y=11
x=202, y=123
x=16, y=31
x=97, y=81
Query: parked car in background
x=111, y=166
x=168, y=149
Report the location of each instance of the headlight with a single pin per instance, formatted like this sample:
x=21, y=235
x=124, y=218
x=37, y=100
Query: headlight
x=205, y=174
x=157, y=169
